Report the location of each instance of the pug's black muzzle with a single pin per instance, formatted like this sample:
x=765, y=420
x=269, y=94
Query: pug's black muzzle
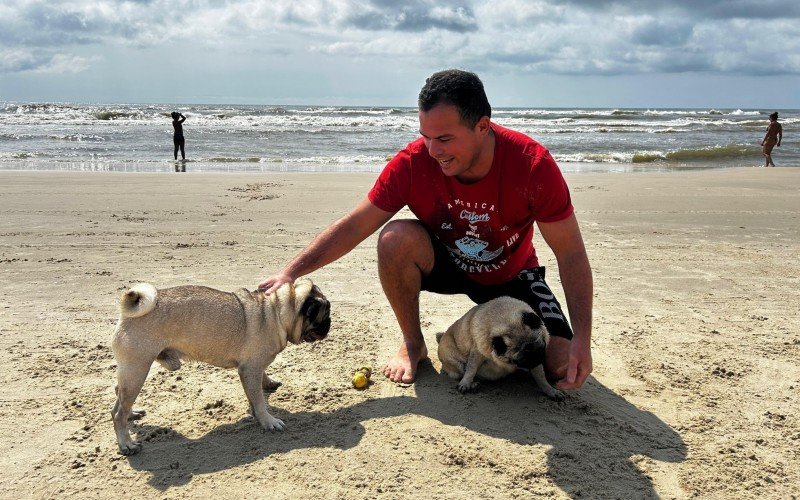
x=317, y=332
x=531, y=355
x=318, y=312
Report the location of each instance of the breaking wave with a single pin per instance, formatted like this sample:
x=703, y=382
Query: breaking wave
x=707, y=154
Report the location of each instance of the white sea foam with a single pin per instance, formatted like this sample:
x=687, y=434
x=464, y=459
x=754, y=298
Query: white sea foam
x=260, y=138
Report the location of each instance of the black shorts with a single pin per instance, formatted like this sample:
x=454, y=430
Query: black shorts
x=529, y=286
x=178, y=140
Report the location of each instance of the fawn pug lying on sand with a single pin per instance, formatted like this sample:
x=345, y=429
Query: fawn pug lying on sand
x=243, y=330
x=494, y=339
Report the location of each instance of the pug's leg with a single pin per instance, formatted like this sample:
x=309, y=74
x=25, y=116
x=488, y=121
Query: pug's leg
x=544, y=385
x=452, y=364
x=136, y=413
x=252, y=379
x=130, y=379
x=474, y=361
x=270, y=384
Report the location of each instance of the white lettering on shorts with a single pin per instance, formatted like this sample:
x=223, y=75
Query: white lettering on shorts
x=548, y=309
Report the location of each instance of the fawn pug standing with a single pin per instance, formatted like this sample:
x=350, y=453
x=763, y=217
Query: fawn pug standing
x=243, y=330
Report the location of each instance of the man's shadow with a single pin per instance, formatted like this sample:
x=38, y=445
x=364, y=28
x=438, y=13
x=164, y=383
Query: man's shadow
x=592, y=436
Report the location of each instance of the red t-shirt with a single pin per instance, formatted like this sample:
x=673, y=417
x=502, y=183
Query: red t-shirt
x=488, y=225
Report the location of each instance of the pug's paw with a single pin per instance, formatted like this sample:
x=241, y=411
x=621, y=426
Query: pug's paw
x=130, y=448
x=467, y=386
x=273, y=424
x=555, y=394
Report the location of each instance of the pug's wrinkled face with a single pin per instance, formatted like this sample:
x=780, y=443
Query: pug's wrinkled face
x=523, y=343
x=316, y=313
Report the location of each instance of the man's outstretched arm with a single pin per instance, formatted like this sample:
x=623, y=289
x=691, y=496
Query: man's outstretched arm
x=564, y=238
x=331, y=244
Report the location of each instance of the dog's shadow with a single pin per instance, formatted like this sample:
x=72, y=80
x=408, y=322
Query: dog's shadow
x=593, y=436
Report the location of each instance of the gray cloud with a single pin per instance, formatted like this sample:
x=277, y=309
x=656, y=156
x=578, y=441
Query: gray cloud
x=14, y=61
x=700, y=9
x=660, y=33
x=611, y=37
x=563, y=37
x=43, y=24
x=416, y=16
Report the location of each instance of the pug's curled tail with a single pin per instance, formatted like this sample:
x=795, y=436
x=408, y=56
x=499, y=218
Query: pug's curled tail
x=138, y=301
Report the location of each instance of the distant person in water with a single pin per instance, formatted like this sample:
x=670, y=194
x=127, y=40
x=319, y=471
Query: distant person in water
x=772, y=138
x=177, y=139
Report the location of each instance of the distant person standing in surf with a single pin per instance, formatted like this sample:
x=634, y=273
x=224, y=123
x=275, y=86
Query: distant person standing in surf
x=772, y=138
x=177, y=139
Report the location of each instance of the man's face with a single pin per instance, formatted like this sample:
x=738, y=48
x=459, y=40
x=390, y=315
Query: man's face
x=451, y=143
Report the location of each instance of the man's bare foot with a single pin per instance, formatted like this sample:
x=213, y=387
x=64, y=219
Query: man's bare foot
x=403, y=367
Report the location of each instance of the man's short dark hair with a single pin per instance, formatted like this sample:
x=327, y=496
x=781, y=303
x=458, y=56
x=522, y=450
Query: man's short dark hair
x=462, y=89
x=774, y=115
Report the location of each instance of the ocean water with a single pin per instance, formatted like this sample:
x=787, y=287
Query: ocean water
x=237, y=138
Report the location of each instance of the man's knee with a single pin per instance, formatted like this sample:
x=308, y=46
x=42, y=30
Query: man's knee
x=400, y=235
x=404, y=240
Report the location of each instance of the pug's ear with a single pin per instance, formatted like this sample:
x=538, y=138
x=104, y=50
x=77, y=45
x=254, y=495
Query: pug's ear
x=499, y=346
x=532, y=320
x=310, y=308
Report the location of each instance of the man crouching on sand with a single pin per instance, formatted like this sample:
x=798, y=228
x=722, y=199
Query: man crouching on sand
x=476, y=189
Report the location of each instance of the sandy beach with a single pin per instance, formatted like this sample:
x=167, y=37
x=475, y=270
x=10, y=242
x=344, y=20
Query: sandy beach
x=696, y=346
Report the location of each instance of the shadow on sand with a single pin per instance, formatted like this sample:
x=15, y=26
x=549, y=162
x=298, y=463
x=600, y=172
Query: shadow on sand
x=593, y=435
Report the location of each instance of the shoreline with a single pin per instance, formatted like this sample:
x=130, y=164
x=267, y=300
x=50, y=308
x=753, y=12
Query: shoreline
x=199, y=167
x=695, y=342
x=168, y=166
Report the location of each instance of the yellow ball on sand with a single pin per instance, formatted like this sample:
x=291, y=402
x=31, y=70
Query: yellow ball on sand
x=360, y=380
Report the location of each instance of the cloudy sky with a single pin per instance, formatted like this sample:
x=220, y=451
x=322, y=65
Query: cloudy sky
x=616, y=53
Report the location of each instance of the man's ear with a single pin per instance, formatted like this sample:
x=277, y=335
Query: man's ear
x=483, y=126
